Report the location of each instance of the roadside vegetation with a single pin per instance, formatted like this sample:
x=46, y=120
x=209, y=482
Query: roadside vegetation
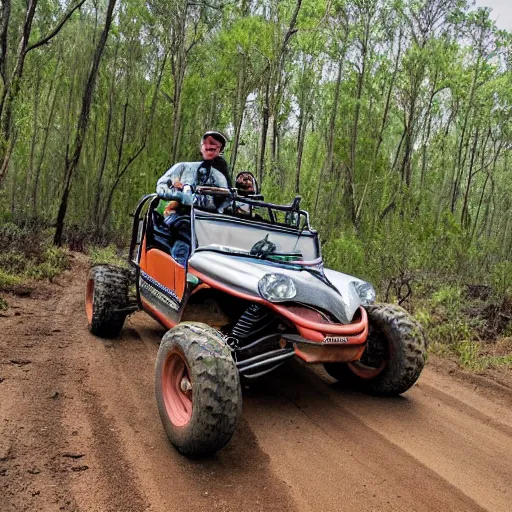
x=466, y=317
x=110, y=255
x=28, y=256
x=390, y=119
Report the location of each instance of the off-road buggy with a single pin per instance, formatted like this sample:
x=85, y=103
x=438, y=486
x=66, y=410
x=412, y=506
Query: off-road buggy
x=253, y=294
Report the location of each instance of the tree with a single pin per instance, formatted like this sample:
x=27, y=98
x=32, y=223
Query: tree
x=11, y=78
x=83, y=121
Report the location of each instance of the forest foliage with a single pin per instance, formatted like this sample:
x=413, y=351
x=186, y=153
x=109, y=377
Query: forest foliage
x=391, y=118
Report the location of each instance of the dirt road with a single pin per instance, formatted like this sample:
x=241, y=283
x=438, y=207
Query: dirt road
x=79, y=431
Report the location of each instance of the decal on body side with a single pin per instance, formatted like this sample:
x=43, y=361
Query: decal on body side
x=335, y=339
x=157, y=294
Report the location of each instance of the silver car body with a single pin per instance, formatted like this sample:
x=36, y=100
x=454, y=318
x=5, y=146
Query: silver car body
x=222, y=252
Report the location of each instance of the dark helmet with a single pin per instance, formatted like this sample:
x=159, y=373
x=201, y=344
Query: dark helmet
x=218, y=136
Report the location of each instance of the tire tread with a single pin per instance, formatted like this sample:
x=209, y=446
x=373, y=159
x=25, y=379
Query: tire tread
x=217, y=399
x=111, y=284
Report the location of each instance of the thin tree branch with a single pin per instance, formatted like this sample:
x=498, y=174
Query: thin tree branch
x=57, y=29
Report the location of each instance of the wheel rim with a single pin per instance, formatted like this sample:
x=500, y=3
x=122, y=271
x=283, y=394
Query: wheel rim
x=89, y=299
x=177, y=389
x=375, y=358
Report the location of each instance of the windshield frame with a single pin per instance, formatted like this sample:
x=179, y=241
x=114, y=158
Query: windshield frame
x=305, y=231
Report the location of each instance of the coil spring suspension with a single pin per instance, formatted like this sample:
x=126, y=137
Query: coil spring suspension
x=252, y=323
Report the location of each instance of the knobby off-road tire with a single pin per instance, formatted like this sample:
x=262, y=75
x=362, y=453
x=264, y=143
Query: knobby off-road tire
x=107, y=291
x=394, y=356
x=198, y=390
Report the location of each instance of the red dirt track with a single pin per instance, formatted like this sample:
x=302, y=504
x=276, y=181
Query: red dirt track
x=79, y=430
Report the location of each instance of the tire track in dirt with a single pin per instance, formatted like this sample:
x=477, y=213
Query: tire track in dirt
x=237, y=478
x=46, y=427
x=80, y=431
x=405, y=453
x=34, y=467
x=98, y=442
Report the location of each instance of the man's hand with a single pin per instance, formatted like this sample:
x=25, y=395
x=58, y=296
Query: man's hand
x=171, y=208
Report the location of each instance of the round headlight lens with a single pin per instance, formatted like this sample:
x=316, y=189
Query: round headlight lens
x=365, y=291
x=277, y=287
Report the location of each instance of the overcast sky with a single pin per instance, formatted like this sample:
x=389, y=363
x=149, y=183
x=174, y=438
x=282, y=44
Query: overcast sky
x=501, y=12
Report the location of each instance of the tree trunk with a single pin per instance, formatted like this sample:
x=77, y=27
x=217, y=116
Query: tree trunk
x=72, y=164
x=264, y=130
x=42, y=150
x=120, y=172
x=460, y=161
x=35, y=134
x=328, y=162
x=103, y=163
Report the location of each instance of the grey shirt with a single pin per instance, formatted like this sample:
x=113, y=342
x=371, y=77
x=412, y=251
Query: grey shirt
x=189, y=173
x=193, y=174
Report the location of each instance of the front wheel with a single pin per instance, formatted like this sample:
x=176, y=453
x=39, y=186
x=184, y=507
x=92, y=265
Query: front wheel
x=197, y=388
x=394, y=356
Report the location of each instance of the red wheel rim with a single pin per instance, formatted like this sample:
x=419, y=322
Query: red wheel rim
x=89, y=298
x=177, y=398
x=364, y=371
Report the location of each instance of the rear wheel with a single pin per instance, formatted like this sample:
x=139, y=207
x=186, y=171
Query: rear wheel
x=106, y=293
x=394, y=356
x=197, y=388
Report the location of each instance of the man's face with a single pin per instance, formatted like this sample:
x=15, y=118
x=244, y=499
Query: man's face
x=245, y=183
x=210, y=148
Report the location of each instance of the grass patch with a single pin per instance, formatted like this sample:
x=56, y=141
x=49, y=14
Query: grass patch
x=468, y=322
x=473, y=357
x=107, y=255
x=29, y=256
x=468, y=354
x=54, y=261
x=9, y=282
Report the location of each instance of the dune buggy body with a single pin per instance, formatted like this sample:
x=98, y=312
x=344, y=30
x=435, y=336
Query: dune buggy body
x=253, y=294
x=329, y=323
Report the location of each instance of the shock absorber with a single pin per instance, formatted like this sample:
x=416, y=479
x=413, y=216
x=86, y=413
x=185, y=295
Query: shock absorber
x=252, y=324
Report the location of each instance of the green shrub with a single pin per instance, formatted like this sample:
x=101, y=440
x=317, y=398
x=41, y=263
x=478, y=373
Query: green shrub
x=495, y=361
x=109, y=255
x=345, y=254
x=8, y=281
x=449, y=297
x=57, y=258
x=501, y=279
x=468, y=352
x=451, y=331
x=28, y=255
x=43, y=271
x=52, y=262
x=14, y=262
x=424, y=317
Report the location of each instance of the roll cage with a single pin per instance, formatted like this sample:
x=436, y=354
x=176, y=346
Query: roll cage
x=283, y=220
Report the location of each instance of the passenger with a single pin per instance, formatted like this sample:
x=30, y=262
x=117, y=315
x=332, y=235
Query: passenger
x=246, y=186
x=246, y=183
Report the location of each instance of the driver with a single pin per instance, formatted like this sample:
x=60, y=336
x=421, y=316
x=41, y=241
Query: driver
x=209, y=172
x=182, y=177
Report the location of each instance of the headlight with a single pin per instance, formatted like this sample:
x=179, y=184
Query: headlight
x=365, y=291
x=277, y=287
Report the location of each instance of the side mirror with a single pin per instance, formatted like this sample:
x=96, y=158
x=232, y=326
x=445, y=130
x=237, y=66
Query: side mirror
x=246, y=184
